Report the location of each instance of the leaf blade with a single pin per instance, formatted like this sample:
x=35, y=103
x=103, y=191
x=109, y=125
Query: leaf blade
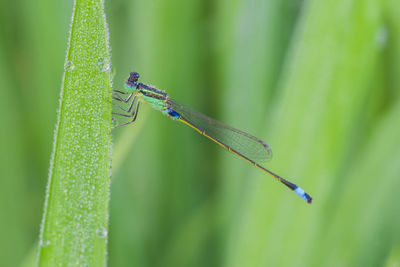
x=75, y=222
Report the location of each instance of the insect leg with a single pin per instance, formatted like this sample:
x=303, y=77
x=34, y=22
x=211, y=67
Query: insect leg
x=130, y=106
x=116, y=96
x=133, y=115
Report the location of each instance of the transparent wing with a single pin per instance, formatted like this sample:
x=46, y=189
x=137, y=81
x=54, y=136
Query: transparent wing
x=249, y=146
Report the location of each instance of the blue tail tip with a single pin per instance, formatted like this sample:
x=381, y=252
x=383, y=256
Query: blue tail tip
x=301, y=193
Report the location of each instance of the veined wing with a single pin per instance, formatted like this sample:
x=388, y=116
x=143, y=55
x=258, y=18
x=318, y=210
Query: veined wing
x=247, y=145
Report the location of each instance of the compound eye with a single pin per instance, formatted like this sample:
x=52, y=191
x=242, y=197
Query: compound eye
x=134, y=76
x=132, y=80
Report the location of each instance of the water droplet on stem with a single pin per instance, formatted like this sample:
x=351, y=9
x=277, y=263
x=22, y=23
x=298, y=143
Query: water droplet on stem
x=44, y=243
x=101, y=232
x=69, y=66
x=103, y=64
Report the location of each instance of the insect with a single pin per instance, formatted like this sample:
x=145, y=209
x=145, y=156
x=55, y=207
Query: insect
x=250, y=148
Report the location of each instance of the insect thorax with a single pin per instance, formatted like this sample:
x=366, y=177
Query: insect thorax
x=130, y=88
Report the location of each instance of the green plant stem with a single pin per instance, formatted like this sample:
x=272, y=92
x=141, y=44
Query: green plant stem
x=75, y=222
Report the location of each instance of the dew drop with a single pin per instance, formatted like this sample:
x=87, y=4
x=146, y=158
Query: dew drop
x=44, y=243
x=113, y=122
x=69, y=66
x=101, y=232
x=104, y=64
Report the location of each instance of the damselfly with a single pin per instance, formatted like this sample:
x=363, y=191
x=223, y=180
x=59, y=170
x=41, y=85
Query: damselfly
x=250, y=148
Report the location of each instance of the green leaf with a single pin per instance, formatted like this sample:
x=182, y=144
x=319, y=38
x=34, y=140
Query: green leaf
x=75, y=222
x=329, y=75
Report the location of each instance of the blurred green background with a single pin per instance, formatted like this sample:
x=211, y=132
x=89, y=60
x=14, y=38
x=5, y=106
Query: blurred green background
x=318, y=80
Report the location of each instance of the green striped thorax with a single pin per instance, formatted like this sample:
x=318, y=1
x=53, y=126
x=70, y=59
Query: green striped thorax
x=153, y=96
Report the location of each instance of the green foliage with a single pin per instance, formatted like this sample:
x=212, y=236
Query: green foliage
x=75, y=223
x=317, y=80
